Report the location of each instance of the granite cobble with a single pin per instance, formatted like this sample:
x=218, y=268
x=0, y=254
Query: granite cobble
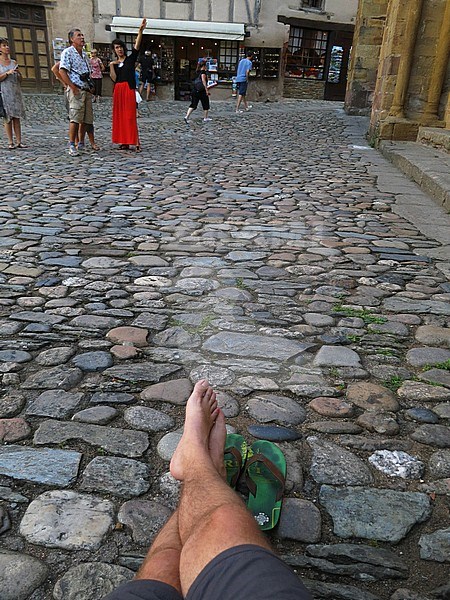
x=265, y=251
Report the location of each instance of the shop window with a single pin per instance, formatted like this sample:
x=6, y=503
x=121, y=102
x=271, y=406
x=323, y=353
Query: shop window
x=266, y=62
x=228, y=59
x=104, y=53
x=128, y=39
x=306, y=54
x=318, y=4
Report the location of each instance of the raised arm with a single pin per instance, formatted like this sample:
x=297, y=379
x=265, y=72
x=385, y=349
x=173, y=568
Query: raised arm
x=137, y=43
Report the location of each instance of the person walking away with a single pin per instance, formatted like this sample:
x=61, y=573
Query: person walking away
x=10, y=79
x=147, y=74
x=243, y=71
x=199, y=93
x=122, y=70
x=97, y=68
x=74, y=71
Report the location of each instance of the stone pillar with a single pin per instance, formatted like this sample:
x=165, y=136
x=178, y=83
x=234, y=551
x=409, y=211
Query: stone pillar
x=362, y=75
x=438, y=74
x=396, y=59
x=414, y=11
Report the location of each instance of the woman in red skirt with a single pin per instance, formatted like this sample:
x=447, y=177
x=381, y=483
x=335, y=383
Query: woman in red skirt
x=122, y=71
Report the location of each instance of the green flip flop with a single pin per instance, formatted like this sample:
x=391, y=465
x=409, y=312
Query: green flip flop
x=235, y=455
x=265, y=475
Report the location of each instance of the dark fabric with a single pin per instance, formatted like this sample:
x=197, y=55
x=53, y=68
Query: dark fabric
x=247, y=572
x=144, y=589
x=124, y=121
x=2, y=108
x=97, y=91
x=197, y=97
x=242, y=88
x=128, y=71
x=147, y=70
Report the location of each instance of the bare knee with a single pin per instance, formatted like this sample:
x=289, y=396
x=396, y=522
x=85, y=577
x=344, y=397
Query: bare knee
x=235, y=524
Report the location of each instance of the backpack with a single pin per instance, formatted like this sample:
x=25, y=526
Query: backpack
x=198, y=83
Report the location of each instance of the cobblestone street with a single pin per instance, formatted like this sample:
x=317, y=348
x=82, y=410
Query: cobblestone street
x=273, y=252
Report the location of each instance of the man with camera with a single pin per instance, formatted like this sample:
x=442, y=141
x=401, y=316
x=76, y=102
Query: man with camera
x=75, y=73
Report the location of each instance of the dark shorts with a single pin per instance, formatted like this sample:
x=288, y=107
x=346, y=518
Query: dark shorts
x=199, y=96
x=241, y=573
x=242, y=87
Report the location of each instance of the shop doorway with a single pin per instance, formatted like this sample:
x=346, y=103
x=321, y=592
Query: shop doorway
x=187, y=53
x=340, y=43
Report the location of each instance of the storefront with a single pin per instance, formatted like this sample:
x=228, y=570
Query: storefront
x=317, y=59
x=25, y=27
x=178, y=45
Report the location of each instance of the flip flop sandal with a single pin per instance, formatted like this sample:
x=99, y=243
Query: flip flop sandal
x=265, y=475
x=21, y=146
x=234, y=455
x=11, y=147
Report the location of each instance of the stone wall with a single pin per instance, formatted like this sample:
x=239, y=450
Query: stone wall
x=303, y=89
x=402, y=76
x=365, y=56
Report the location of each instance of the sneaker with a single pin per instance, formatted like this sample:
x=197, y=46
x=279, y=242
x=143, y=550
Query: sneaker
x=206, y=119
x=81, y=148
x=73, y=151
x=238, y=112
x=186, y=120
x=249, y=107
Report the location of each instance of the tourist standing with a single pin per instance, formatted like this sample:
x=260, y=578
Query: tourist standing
x=122, y=70
x=10, y=78
x=243, y=71
x=74, y=71
x=97, y=68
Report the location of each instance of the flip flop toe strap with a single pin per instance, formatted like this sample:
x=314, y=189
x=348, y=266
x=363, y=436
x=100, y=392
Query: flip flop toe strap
x=237, y=455
x=275, y=471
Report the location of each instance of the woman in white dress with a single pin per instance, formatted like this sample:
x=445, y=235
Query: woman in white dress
x=10, y=79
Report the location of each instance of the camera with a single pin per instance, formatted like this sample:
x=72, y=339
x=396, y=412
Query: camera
x=86, y=78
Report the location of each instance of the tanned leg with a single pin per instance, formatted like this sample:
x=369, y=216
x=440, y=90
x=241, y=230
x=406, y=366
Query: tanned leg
x=17, y=130
x=211, y=516
x=9, y=132
x=162, y=562
x=163, y=559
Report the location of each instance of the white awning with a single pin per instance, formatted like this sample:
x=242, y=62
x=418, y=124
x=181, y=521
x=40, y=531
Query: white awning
x=198, y=29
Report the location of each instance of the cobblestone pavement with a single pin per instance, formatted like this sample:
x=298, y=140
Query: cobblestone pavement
x=271, y=252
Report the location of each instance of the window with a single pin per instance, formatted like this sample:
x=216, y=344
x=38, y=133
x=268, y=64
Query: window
x=228, y=59
x=128, y=40
x=25, y=28
x=318, y=4
x=266, y=62
x=306, y=54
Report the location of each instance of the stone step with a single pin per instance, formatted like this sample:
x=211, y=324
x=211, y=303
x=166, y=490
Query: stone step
x=436, y=137
x=428, y=167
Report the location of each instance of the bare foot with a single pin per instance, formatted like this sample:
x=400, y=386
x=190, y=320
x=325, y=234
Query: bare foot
x=217, y=444
x=193, y=449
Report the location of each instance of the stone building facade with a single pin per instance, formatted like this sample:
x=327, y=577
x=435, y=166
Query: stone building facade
x=399, y=71
x=301, y=47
